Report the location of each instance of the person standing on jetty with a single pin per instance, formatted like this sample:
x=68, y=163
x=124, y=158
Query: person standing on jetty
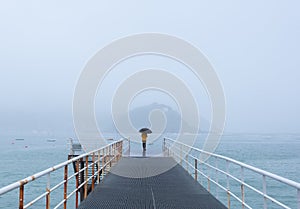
x=144, y=132
x=144, y=140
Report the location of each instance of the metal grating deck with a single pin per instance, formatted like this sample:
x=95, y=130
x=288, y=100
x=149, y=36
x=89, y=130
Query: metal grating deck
x=172, y=189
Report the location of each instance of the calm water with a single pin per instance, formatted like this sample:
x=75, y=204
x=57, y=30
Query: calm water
x=279, y=154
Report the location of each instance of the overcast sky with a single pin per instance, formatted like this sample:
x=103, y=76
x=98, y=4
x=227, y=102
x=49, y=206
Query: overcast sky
x=254, y=47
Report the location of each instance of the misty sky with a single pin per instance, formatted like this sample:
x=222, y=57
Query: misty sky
x=254, y=47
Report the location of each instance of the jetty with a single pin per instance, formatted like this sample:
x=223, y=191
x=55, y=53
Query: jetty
x=181, y=177
x=174, y=188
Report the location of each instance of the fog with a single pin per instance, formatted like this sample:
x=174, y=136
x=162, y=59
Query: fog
x=253, y=46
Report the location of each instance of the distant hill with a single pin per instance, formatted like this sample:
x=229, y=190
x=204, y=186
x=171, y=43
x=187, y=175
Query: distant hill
x=140, y=118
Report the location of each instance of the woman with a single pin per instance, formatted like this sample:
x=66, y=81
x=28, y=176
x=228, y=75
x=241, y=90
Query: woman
x=144, y=139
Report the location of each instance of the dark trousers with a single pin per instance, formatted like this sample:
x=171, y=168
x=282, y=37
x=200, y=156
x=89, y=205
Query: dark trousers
x=144, y=145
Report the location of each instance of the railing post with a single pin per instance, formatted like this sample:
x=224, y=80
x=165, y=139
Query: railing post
x=114, y=146
x=106, y=158
x=77, y=184
x=109, y=153
x=265, y=191
x=116, y=152
x=98, y=170
x=48, y=190
x=65, y=186
x=298, y=194
x=113, y=153
x=201, y=168
x=227, y=180
x=81, y=178
x=242, y=187
x=196, y=170
x=217, y=178
x=208, y=179
x=86, y=176
x=186, y=162
x=181, y=155
x=93, y=171
x=121, y=150
x=21, y=196
x=103, y=162
x=128, y=146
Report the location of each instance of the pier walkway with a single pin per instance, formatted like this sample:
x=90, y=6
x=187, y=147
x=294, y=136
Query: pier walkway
x=174, y=188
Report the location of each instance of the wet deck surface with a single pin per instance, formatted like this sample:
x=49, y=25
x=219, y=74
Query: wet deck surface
x=174, y=188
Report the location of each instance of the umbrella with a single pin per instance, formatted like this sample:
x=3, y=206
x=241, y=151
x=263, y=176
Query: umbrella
x=145, y=130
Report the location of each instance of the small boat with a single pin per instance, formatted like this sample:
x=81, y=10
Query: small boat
x=19, y=139
x=51, y=140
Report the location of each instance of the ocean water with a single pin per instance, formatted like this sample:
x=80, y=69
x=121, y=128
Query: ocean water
x=279, y=154
x=23, y=158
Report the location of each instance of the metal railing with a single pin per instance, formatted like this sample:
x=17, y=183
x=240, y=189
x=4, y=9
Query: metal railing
x=195, y=162
x=102, y=159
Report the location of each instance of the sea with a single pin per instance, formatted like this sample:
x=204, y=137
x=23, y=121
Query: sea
x=276, y=153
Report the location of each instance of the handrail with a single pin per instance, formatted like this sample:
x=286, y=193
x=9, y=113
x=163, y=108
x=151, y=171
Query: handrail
x=49, y=170
x=173, y=148
x=110, y=154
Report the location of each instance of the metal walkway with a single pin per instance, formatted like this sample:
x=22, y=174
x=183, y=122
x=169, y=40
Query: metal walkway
x=172, y=189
